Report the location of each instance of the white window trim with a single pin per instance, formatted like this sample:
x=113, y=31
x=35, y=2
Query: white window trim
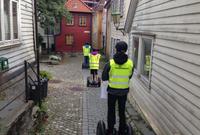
x=12, y=42
x=138, y=70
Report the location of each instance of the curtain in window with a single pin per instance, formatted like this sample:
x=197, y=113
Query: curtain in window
x=7, y=19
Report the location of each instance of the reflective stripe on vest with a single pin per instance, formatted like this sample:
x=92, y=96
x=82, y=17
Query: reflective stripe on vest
x=94, y=61
x=119, y=74
x=86, y=51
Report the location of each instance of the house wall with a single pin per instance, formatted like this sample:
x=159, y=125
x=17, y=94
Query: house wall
x=23, y=49
x=97, y=29
x=172, y=106
x=117, y=35
x=82, y=34
x=12, y=86
x=108, y=32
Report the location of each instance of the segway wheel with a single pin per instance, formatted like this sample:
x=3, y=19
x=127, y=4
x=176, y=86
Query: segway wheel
x=88, y=83
x=101, y=128
x=130, y=130
x=99, y=82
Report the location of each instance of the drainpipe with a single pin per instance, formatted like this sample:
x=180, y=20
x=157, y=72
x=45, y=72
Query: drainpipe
x=36, y=38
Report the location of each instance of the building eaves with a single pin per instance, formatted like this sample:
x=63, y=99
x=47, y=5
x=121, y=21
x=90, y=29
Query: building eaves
x=130, y=15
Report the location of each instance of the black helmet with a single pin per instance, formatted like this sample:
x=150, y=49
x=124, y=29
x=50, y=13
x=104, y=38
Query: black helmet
x=121, y=46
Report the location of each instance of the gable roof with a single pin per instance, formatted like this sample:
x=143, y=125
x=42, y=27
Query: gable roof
x=77, y=6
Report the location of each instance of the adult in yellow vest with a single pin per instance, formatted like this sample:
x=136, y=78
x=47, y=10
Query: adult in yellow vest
x=86, y=52
x=118, y=72
x=94, y=58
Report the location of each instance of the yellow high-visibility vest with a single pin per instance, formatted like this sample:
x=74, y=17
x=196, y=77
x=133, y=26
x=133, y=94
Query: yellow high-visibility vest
x=94, y=61
x=86, y=50
x=119, y=74
x=147, y=63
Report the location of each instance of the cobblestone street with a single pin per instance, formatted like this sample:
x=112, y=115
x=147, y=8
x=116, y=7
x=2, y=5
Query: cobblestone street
x=73, y=108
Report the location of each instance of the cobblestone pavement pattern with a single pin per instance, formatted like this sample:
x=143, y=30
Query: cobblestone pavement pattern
x=65, y=97
x=73, y=108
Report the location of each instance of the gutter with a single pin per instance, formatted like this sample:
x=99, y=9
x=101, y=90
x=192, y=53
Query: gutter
x=130, y=15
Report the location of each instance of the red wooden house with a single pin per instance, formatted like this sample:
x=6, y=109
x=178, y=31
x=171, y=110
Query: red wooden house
x=76, y=32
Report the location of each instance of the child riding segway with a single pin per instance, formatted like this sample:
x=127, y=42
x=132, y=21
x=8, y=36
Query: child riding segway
x=93, y=79
x=117, y=72
x=86, y=52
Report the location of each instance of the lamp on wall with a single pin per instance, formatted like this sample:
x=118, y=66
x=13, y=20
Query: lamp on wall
x=116, y=19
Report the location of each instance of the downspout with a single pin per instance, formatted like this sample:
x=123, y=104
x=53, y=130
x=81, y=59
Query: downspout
x=91, y=30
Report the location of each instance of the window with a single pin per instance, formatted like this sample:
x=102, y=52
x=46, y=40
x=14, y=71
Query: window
x=146, y=56
x=135, y=51
x=9, y=21
x=15, y=21
x=49, y=30
x=69, y=39
x=114, y=41
x=70, y=21
x=142, y=51
x=82, y=20
x=0, y=22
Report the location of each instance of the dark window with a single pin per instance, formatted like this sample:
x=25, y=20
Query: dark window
x=7, y=19
x=70, y=21
x=82, y=20
x=15, y=20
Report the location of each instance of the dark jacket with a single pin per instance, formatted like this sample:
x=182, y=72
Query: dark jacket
x=119, y=58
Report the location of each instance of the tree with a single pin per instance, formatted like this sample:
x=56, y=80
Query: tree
x=49, y=12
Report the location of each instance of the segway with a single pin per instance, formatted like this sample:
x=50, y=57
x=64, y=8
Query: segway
x=101, y=129
x=85, y=65
x=93, y=83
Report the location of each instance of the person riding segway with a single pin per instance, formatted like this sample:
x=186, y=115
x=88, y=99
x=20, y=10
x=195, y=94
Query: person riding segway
x=118, y=71
x=86, y=52
x=94, y=58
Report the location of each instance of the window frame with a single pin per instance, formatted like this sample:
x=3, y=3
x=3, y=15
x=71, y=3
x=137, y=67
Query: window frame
x=11, y=41
x=80, y=18
x=66, y=40
x=73, y=18
x=138, y=69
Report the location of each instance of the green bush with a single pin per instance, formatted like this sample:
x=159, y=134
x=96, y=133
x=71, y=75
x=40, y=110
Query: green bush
x=45, y=74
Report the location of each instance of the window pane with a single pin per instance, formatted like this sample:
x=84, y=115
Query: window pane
x=0, y=23
x=7, y=19
x=70, y=21
x=135, y=50
x=82, y=20
x=146, y=58
x=15, y=20
x=69, y=39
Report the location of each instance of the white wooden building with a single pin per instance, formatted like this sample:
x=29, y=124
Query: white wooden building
x=169, y=94
x=17, y=45
x=115, y=33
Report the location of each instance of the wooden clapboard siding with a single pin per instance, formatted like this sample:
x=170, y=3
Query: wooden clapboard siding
x=125, y=12
x=173, y=103
x=25, y=50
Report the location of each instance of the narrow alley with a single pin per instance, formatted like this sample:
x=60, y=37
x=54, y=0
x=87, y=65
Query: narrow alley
x=73, y=108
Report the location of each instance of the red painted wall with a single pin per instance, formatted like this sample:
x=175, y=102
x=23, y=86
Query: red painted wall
x=80, y=37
